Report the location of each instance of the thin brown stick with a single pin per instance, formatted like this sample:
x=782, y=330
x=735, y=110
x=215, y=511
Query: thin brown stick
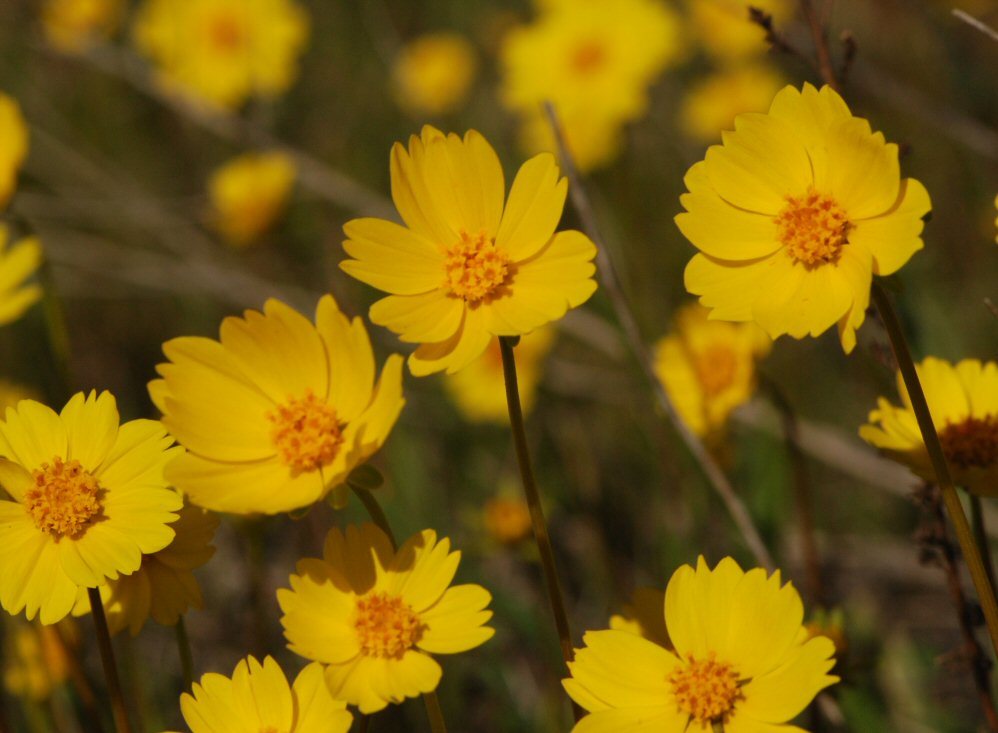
x=975, y=23
x=118, y=709
x=819, y=35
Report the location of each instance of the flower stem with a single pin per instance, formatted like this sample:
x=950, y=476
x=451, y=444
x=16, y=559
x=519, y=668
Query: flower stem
x=186, y=659
x=118, y=710
x=964, y=534
x=534, y=499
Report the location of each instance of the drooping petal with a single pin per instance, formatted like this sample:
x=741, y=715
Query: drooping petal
x=453, y=354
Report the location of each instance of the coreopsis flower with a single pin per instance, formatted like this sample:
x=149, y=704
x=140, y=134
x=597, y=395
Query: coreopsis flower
x=73, y=26
x=17, y=264
x=644, y=616
x=478, y=389
x=712, y=103
x=432, y=74
x=222, y=52
x=793, y=215
x=35, y=660
x=373, y=616
x=963, y=402
x=708, y=367
x=506, y=519
x=89, y=499
x=594, y=60
x=248, y=194
x=258, y=698
x=741, y=657
x=724, y=30
x=13, y=145
x=468, y=267
x=278, y=411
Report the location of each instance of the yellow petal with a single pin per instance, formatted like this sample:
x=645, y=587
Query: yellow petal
x=34, y=433
x=730, y=288
x=810, y=113
x=422, y=318
x=780, y=695
x=91, y=427
x=534, y=208
x=412, y=197
x=895, y=236
x=351, y=359
x=317, y=710
x=455, y=623
x=423, y=568
x=623, y=670
x=863, y=174
x=453, y=354
x=653, y=719
x=392, y=258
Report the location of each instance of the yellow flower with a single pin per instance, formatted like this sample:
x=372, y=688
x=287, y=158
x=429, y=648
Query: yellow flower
x=793, y=215
x=11, y=393
x=725, y=31
x=507, y=519
x=373, y=616
x=72, y=26
x=708, y=367
x=479, y=389
x=35, y=660
x=644, y=616
x=89, y=496
x=258, y=698
x=223, y=51
x=433, y=73
x=963, y=401
x=276, y=413
x=741, y=657
x=13, y=145
x=464, y=270
x=248, y=194
x=17, y=264
x=594, y=60
x=713, y=102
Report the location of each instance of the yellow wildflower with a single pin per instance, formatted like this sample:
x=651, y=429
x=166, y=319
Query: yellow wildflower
x=13, y=145
x=17, y=264
x=248, y=194
x=35, y=660
x=11, y=393
x=644, y=616
x=373, y=615
x=433, y=73
x=712, y=103
x=741, y=658
x=708, y=367
x=223, y=51
x=507, y=519
x=276, y=413
x=468, y=267
x=725, y=31
x=89, y=496
x=793, y=215
x=258, y=698
x=963, y=402
x=72, y=26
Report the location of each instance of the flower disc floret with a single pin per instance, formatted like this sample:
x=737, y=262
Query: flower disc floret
x=65, y=498
x=387, y=627
x=306, y=433
x=971, y=443
x=475, y=269
x=706, y=690
x=813, y=228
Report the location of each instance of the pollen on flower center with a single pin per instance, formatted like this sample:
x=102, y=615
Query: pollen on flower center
x=972, y=443
x=706, y=690
x=306, y=432
x=813, y=228
x=64, y=500
x=386, y=625
x=475, y=269
x=715, y=368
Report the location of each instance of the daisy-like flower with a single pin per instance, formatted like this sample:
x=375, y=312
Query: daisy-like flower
x=432, y=74
x=725, y=31
x=89, y=499
x=17, y=264
x=467, y=268
x=373, y=616
x=72, y=26
x=963, y=402
x=506, y=518
x=13, y=145
x=793, y=215
x=711, y=104
x=36, y=660
x=258, y=698
x=248, y=194
x=278, y=411
x=741, y=657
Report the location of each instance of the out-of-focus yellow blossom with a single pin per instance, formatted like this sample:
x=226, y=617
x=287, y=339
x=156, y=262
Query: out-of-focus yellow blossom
x=72, y=26
x=433, y=73
x=708, y=367
x=724, y=30
x=712, y=103
x=35, y=659
x=830, y=624
x=795, y=213
x=11, y=393
x=506, y=519
x=223, y=51
x=963, y=402
x=479, y=389
x=13, y=145
x=644, y=616
x=248, y=194
x=17, y=264
x=594, y=61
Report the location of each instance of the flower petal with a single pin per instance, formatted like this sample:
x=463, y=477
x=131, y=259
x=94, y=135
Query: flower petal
x=534, y=208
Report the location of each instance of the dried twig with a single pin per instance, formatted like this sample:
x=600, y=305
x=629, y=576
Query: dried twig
x=975, y=23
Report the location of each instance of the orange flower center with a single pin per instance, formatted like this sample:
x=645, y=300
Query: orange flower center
x=715, y=368
x=813, y=228
x=706, y=690
x=64, y=500
x=387, y=625
x=508, y=520
x=226, y=32
x=475, y=269
x=588, y=57
x=972, y=443
x=306, y=433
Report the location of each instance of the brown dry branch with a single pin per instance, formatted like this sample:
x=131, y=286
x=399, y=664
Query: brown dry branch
x=975, y=23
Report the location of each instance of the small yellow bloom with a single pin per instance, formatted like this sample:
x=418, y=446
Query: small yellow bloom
x=72, y=26
x=223, y=52
x=963, y=401
x=89, y=496
x=793, y=215
x=248, y=194
x=644, y=616
x=276, y=413
x=468, y=266
x=11, y=393
x=712, y=103
x=13, y=145
x=725, y=31
x=258, y=698
x=373, y=615
x=17, y=264
x=708, y=367
x=507, y=519
x=35, y=659
x=741, y=657
x=832, y=625
x=433, y=73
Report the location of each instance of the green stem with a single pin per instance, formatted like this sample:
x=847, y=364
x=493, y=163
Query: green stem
x=981, y=535
x=186, y=658
x=964, y=534
x=118, y=709
x=434, y=713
